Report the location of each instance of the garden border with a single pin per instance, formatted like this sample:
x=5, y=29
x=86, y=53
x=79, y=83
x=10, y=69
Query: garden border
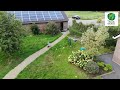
x=106, y=74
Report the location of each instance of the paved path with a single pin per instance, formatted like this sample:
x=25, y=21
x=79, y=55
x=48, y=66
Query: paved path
x=108, y=59
x=85, y=22
x=14, y=72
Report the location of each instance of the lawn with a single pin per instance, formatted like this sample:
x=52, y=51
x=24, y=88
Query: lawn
x=85, y=15
x=54, y=64
x=30, y=45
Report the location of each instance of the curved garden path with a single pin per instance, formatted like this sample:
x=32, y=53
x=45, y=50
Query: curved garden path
x=14, y=72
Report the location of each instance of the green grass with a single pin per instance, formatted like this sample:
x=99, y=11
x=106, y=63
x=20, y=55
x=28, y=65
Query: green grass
x=85, y=15
x=30, y=45
x=54, y=64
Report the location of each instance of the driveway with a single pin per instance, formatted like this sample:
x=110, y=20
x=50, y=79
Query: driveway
x=84, y=21
x=107, y=58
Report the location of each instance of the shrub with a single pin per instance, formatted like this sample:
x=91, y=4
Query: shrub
x=10, y=33
x=105, y=67
x=79, y=28
x=101, y=64
x=113, y=31
x=82, y=63
x=79, y=58
x=35, y=29
x=109, y=42
x=74, y=31
x=52, y=28
x=99, y=20
x=95, y=28
x=92, y=67
x=93, y=41
x=83, y=60
x=108, y=67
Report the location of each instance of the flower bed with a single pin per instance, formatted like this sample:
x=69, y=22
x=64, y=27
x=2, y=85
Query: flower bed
x=88, y=63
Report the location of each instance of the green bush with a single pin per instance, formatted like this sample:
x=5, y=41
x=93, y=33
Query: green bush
x=79, y=58
x=52, y=29
x=113, y=31
x=105, y=67
x=83, y=60
x=92, y=67
x=74, y=31
x=95, y=28
x=99, y=20
x=101, y=64
x=79, y=28
x=110, y=42
x=10, y=33
x=35, y=29
x=82, y=63
x=108, y=67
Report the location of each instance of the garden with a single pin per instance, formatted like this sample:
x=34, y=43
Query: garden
x=75, y=58
x=17, y=43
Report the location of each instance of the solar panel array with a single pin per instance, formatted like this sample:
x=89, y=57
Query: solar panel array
x=28, y=16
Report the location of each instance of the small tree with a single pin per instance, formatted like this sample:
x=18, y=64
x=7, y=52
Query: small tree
x=99, y=20
x=75, y=29
x=35, y=29
x=10, y=33
x=79, y=28
x=52, y=29
x=93, y=41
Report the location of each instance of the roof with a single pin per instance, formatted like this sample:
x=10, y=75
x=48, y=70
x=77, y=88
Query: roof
x=39, y=16
x=116, y=36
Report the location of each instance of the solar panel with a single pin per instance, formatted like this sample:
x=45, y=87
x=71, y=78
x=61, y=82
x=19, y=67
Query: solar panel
x=29, y=16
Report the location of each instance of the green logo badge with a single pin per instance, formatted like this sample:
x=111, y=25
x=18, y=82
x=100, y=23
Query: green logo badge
x=111, y=16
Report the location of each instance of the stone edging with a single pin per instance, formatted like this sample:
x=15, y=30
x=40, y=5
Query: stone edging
x=107, y=73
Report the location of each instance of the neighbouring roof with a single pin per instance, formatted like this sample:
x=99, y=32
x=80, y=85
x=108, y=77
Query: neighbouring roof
x=116, y=36
x=39, y=16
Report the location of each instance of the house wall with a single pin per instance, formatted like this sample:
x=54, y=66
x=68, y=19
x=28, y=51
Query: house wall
x=58, y=24
x=43, y=25
x=116, y=55
x=65, y=26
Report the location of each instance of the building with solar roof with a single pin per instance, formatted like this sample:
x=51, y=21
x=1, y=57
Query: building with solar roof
x=41, y=18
